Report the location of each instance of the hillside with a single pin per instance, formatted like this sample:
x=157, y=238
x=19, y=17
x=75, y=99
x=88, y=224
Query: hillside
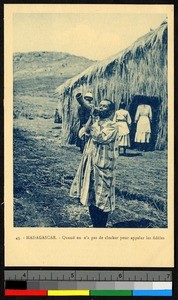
x=140, y=69
x=39, y=73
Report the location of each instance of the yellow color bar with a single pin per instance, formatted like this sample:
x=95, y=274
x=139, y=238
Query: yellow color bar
x=68, y=293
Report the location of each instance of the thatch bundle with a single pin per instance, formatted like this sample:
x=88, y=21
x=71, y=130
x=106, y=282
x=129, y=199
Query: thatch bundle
x=141, y=69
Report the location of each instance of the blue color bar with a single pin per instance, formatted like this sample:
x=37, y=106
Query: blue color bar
x=152, y=293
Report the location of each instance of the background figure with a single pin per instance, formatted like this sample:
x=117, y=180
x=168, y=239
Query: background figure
x=123, y=119
x=94, y=182
x=57, y=118
x=83, y=115
x=143, y=117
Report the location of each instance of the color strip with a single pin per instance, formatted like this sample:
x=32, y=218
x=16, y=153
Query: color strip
x=86, y=285
x=161, y=286
x=26, y=293
x=68, y=293
x=107, y=285
x=153, y=293
x=15, y=285
x=110, y=293
x=124, y=285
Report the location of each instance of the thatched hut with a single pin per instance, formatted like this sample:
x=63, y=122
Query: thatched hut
x=140, y=70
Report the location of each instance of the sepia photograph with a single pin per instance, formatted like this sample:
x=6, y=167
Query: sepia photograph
x=88, y=127
x=90, y=120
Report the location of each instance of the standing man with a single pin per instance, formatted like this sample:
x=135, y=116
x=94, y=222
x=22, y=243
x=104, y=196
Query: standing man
x=57, y=118
x=83, y=115
x=94, y=182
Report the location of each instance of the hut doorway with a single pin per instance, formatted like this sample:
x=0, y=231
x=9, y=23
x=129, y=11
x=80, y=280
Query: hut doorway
x=155, y=103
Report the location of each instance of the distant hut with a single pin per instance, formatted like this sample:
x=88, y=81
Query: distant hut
x=140, y=70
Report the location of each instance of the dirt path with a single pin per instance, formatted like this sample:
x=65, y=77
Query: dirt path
x=43, y=172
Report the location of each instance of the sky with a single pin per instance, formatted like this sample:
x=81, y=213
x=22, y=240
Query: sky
x=92, y=35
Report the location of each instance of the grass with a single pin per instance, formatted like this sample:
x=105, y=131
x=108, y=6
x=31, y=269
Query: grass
x=39, y=86
x=44, y=170
x=30, y=107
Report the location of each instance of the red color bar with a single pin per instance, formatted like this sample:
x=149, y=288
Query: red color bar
x=26, y=293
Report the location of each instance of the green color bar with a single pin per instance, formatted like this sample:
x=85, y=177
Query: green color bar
x=110, y=293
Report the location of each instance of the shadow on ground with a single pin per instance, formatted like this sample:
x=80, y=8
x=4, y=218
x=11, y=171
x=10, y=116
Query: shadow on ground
x=131, y=154
x=142, y=223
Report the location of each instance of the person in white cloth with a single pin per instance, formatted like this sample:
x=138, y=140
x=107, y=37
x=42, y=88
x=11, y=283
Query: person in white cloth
x=94, y=182
x=143, y=118
x=123, y=119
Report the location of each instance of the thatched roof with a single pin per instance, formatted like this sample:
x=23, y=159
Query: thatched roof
x=141, y=69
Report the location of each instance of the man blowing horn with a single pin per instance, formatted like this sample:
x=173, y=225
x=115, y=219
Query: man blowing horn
x=84, y=111
x=94, y=182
